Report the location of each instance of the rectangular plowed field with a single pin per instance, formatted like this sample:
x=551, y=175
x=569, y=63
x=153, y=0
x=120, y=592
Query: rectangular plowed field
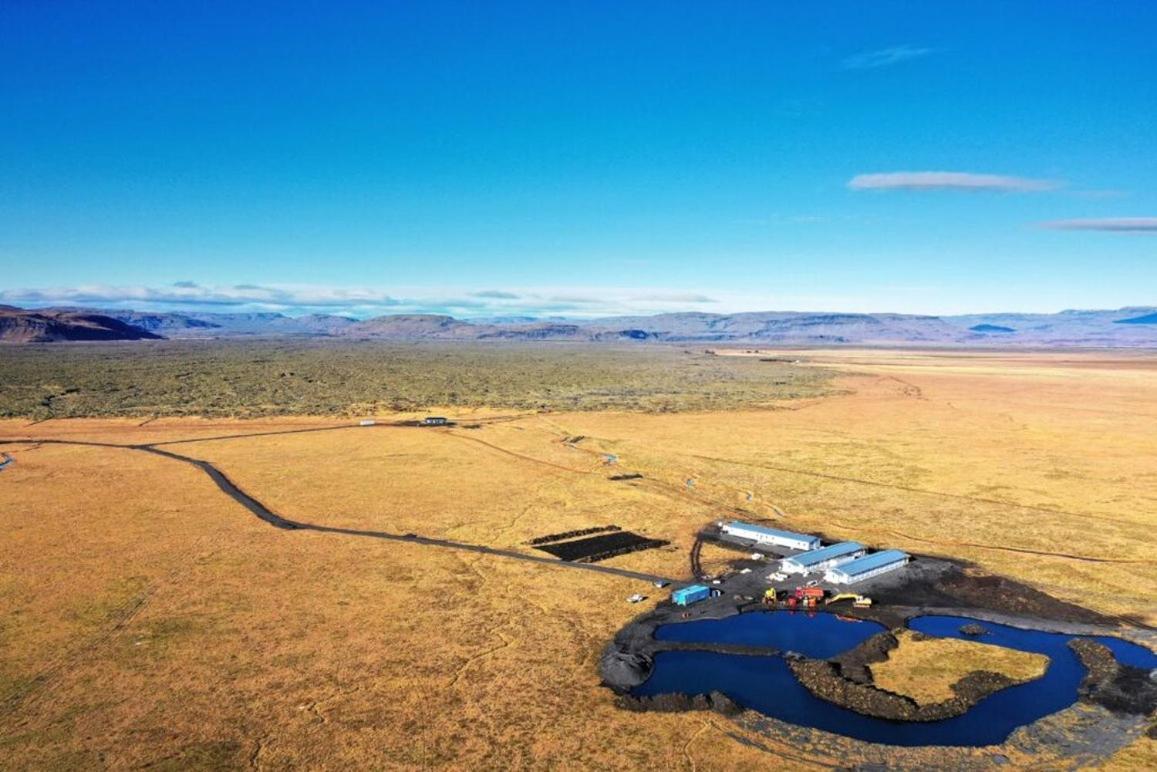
x=596, y=548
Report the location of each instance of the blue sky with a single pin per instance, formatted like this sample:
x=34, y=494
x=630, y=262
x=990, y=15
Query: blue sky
x=579, y=158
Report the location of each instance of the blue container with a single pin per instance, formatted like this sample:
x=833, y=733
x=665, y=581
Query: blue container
x=692, y=594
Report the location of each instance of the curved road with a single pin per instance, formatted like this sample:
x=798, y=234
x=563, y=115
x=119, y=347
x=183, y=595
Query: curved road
x=230, y=489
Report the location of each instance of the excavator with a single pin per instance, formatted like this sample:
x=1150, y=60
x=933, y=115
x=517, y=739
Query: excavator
x=858, y=601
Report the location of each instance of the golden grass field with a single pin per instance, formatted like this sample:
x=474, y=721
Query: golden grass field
x=926, y=669
x=148, y=620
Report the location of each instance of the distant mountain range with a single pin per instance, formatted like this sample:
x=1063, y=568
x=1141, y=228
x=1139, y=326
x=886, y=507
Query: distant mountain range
x=1125, y=327
x=47, y=326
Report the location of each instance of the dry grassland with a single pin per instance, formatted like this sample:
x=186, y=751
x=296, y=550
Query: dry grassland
x=925, y=669
x=147, y=619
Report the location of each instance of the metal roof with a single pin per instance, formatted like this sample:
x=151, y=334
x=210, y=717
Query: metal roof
x=772, y=531
x=691, y=589
x=827, y=553
x=861, y=565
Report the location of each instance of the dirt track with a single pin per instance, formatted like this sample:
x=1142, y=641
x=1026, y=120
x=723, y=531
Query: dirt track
x=262, y=512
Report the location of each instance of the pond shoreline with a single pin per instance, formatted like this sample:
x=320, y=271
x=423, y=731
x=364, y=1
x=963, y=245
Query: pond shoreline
x=627, y=660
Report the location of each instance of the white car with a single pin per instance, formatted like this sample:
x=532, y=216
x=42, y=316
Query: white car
x=636, y=598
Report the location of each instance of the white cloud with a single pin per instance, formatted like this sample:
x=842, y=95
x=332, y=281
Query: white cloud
x=190, y=294
x=1113, y=224
x=359, y=301
x=495, y=294
x=674, y=297
x=949, y=181
x=884, y=57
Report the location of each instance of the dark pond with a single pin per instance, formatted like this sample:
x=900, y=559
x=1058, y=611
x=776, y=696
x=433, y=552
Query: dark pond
x=814, y=635
x=765, y=684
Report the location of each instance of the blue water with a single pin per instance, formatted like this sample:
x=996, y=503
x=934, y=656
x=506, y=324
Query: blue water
x=816, y=635
x=765, y=684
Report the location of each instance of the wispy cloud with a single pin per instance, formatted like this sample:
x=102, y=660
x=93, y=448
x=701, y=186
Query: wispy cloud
x=188, y=294
x=884, y=57
x=676, y=297
x=496, y=295
x=191, y=296
x=577, y=299
x=1112, y=224
x=949, y=181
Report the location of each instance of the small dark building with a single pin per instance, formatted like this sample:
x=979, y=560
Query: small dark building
x=434, y=420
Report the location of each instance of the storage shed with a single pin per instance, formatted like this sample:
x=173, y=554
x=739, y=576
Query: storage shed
x=868, y=567
x=823, y=559
x=694, y=593
x=761, y=535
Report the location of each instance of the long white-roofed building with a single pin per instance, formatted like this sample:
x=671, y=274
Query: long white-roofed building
x=773, y=536
x=822, y=559
x=867, y=567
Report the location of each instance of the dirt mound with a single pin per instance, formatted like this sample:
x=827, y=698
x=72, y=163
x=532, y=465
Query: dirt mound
x=623, y=669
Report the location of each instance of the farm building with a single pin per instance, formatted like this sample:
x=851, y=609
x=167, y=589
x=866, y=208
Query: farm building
x=867, y=567
x=685, y=596
x=762, y=535
x=823, y=559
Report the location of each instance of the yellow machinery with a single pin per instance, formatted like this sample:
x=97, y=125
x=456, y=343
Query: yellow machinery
x=858, y=601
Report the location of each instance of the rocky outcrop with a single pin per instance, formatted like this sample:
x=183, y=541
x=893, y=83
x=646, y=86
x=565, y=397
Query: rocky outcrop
x=677, y=703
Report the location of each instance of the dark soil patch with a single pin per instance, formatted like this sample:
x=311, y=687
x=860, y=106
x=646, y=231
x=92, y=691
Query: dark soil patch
x=1120, y=688
x=937, y=583
x=572, y=534
x=630, y=476
x=1008, y=596
x=598, y=548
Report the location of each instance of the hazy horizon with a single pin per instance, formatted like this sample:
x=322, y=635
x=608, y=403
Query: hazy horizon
x=460, y=308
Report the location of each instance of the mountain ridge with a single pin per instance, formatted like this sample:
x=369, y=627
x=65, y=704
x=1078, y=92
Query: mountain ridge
x=48, y=326
x=1132, y=326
